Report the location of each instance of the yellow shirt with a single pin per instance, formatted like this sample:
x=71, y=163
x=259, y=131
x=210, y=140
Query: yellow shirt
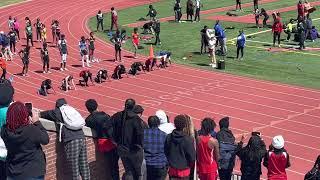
x=289, y=27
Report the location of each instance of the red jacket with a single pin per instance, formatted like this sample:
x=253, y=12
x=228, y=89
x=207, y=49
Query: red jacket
x=300, y=8
x=277, y=27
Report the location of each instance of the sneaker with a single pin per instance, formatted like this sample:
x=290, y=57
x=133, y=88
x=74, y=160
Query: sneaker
x=23, y=74
x=49, y=72
x=44, y=72
x=61, y=69
x=65, y=69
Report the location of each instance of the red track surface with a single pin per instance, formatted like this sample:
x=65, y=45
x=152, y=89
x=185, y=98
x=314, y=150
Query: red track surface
x=252, y=105
x=250, y=18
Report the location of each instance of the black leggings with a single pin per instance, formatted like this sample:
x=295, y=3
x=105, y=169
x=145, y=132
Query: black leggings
x=240, y=49
x=29, y=38
x=46, y=64
x=4, y=72
x=13, y=46
x=100, y=23
x=38, y=33
x=18, y=33
x=238, y=4
x=197, y=15
x=276, y=35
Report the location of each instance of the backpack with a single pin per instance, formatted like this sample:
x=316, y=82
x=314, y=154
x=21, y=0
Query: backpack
x=72, y=119
x=227, y=155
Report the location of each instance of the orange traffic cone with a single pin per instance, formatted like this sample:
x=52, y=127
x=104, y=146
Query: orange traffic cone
x=151, y=54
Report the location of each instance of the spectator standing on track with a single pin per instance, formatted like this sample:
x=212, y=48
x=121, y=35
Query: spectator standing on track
x=190, y=10
x=177, y=11
x=227, y=149
x=135, y=41
x=198, y=7
x=300, y=8
x=83, y=47
x=288, y=30
x=128, y=134
x=16, y=26
x=255, y=4
x=314, y=173
x=277, y=30
x=165, y=125
x=238, y=5
x=6, y=97
x=114, y=19
x=10, y=22
x=265, y=17
x=63, y=49
x=13, y=39
x=91, y=40
x=207, y=151
x=241, y=43
x=301, y=33
x=99, y=20
x=74, y=141
x=43, y=34
x=25, y=57
x=153, y=145
x=44, y=53
x=251, y=157
x=152, y=13
x=38, y=26
x=179, y=150
x=29, y=34
x=204, y=40
x=101, y=123
x=23, y=136
x=157, y=32
x=117, y=41
x=277, y=160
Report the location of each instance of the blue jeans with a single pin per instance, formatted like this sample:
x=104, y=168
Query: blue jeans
x=26, y=178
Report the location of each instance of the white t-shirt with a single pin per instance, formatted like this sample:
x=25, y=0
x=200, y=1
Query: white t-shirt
x=197, y=3
x=212, y=43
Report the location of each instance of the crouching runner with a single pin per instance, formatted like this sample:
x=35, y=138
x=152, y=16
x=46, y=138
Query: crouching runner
x=136, y=67
x=45, y=86
x=101, y=75
x=68, y=83
x=85, y=75
x=118, y=71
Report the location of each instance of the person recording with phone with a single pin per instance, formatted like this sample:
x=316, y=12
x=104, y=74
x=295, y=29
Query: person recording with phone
x=251, y=156
x=23, y=136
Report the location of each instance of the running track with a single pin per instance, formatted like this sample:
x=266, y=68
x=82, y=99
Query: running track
x=252, y=105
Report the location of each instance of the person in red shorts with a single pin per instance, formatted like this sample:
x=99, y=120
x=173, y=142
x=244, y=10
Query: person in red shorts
x=135, y=41
x=207, y=151
x=277, y=160
x=114, y=19
x=3, y=67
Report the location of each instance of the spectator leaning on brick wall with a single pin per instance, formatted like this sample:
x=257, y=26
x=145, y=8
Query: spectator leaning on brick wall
x=101, y=123
x=6, y=97
x=74, y=143
x=23, y=137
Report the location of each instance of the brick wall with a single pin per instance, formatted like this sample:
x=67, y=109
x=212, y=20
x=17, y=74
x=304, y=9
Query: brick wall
x=56, y=164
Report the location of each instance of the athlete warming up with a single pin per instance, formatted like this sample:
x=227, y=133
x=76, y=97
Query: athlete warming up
x=25, y=57
x=85, y=75
x=46, y=85
x=101, y=75
x=84, y=51
x=62, y=44
x=68, y=83
x=92, y=48
x=44, y=53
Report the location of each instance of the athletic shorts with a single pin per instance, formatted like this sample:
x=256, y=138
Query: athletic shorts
x=64, y=58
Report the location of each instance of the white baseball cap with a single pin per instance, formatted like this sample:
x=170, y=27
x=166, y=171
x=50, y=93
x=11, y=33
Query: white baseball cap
x=278, y=142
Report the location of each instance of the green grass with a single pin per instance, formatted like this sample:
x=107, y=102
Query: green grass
x=297, y=68
x=7, y=2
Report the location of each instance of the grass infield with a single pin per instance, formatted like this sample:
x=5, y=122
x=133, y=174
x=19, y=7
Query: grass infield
x=183, y=40
x=8, y=2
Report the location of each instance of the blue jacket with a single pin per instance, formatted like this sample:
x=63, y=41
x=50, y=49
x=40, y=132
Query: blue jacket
x=241, y=40
x=219, y=31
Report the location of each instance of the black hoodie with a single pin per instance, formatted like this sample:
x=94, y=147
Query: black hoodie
x=25, y=156
x=56, y=116
x=179, y=150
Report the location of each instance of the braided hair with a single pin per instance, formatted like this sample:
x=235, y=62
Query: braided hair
x=17, y=116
